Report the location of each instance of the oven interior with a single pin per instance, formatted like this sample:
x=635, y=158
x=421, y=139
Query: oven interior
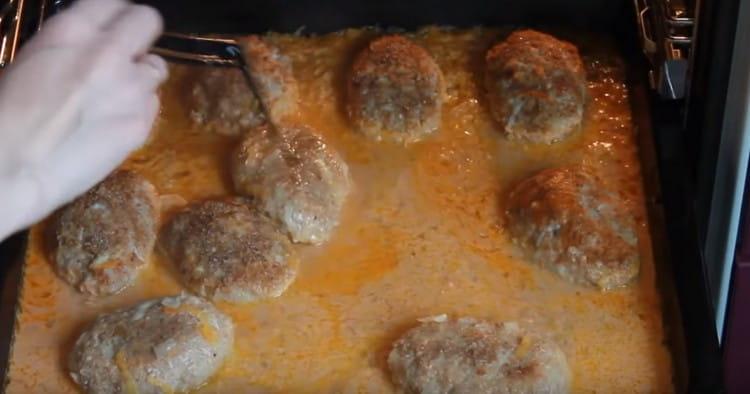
x=659, y=111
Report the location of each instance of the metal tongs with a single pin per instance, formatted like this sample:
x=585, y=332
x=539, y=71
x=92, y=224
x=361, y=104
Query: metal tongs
x=209, y=51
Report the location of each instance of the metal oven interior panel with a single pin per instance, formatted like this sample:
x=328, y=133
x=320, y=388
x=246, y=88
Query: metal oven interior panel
x=686, y=308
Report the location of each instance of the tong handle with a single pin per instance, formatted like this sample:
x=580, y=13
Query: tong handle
x=196, y=49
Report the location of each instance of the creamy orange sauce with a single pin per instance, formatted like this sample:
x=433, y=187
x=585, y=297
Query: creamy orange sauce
x=421, y=235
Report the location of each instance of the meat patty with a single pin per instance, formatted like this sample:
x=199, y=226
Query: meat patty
x=567, y=222
x=272, y=75
x=476, y=357
x=536, y=86
x=228, y=250
x=395, y=90
x=107, y=234
x=161, y=346
x=299, y=180
x=221, y=102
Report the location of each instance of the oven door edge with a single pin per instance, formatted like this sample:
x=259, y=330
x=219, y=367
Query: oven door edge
x=727, y=249
x=730, y=173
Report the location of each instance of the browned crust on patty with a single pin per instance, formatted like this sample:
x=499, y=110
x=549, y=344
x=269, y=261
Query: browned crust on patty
x=171, y=344
x=272, y=74
x=228, y=250
x=395, y=90
x=298, y=179
x=222, y=103
x=107, y=234
x=474, y=356
x=566, y=221
x=536, y=86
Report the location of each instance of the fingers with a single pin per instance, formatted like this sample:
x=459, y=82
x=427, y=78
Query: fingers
x=97, y=13
x=91, y=153
x=116, y=26
x=99, y=146
x=134, y=30
x=131, y=127
x=152, y=111
x=80, y=23
x=120, y=53
x=151, y=70
x=136, y=81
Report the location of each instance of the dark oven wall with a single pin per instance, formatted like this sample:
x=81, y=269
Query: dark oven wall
x=243, y=16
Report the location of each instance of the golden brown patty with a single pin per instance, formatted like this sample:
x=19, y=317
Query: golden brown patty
x=167, y=345
x=567, y=222
x=298, y=179
x=395, y=90
x=468, y=356
x=106, y=235
x=228, y=250
x=536, y=86
x=272, y=75
x=221, y=102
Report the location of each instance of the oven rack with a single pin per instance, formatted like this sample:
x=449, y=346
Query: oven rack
x=666, y=31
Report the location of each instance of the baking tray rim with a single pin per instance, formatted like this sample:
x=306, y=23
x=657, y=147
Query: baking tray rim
x=671, y=317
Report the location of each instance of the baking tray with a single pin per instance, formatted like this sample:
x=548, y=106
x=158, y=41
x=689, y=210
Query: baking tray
x=686, y=311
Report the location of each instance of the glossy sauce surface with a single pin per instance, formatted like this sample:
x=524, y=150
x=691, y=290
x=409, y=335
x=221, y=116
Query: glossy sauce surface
x=421, y=235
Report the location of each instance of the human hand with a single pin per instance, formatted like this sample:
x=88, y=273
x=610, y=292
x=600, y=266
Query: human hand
x=80, y=96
